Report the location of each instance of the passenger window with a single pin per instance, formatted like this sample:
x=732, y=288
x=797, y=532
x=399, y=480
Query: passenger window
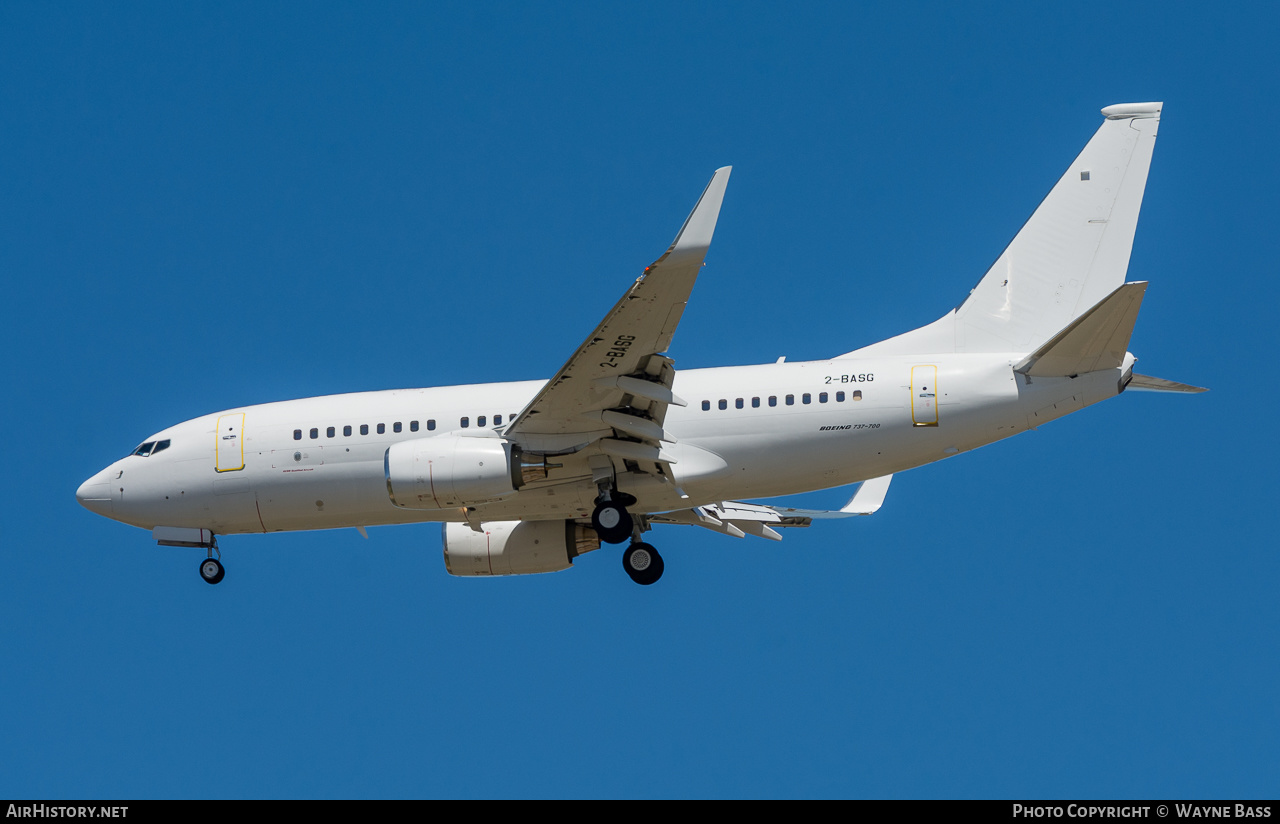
x=706, y=406
x=857, y=395
x=464, y=423
x=413, y=426
x=497, y=420
x=382, y=429
x=791, y=400
x=297, y=434
x=480, y=421
x=364, y=429
x=724, y=404
x=330, y=432
x=396, y=427
x=738, y=403
x=755, y=403
x=773, y=400
x=822, y=397
x=315, y=433
x=839, y=397
x=346, y=431
x=807, y=398
x=431, y=424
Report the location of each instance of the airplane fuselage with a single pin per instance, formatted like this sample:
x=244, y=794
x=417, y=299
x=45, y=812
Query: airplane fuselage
x=747, y=432
x=529, y=476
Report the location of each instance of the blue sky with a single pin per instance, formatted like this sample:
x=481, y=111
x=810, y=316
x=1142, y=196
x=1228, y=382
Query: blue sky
x=222, y=204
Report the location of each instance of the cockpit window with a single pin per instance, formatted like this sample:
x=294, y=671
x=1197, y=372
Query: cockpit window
x=150, y=448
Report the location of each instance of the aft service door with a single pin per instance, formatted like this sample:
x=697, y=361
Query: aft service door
x=230, y=434
x=924, y=395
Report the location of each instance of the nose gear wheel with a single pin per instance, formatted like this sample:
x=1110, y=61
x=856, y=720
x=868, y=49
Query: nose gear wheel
x=211, y=570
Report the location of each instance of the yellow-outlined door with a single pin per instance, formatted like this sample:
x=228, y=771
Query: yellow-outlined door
x=924, y=395
x=230, y=434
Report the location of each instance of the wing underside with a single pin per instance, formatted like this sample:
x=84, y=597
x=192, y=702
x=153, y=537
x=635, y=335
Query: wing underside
x=614, y=391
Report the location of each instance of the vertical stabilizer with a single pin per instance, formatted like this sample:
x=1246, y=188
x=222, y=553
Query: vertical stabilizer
x=1071, y=254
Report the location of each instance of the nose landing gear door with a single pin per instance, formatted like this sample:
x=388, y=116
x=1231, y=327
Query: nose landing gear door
x=230, y=434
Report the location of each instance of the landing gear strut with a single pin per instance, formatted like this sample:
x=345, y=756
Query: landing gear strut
x=211, y=568
x=643, y=563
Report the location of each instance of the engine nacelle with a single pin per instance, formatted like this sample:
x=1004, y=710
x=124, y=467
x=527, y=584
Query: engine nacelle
x=448, y=471
x=515, y=547
x=453, y=470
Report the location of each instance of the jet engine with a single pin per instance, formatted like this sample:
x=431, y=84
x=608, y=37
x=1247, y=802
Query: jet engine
x=452, y=470
x=515, y=547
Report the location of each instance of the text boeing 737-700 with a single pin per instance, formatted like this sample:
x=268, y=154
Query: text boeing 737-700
x=528, y=476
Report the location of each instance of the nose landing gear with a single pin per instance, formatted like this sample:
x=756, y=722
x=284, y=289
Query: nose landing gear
x=211, y=568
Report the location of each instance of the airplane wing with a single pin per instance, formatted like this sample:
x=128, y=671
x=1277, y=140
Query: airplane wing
x=741, y=519
x=615, y=389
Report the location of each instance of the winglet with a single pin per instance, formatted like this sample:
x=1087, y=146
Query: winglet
x=869, y=497
x=694, y=237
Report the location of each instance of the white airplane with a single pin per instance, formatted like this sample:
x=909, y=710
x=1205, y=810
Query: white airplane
x=528, y=476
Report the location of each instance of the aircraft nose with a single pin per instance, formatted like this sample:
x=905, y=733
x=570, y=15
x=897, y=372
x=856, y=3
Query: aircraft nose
x=95, y=494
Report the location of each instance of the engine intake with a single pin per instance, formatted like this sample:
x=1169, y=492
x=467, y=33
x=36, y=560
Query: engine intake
x=515, y=547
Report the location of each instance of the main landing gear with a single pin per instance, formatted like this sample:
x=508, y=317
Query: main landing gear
x=615, y=525
x=643, y=563
x=211, y=568
x=610, y=518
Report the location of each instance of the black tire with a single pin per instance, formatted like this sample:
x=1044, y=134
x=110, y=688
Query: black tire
x=642, y=563
x=612, y=522
x=211, y=570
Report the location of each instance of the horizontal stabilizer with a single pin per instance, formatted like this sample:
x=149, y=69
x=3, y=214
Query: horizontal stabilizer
x=1146, y=383
x=1096, y=340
